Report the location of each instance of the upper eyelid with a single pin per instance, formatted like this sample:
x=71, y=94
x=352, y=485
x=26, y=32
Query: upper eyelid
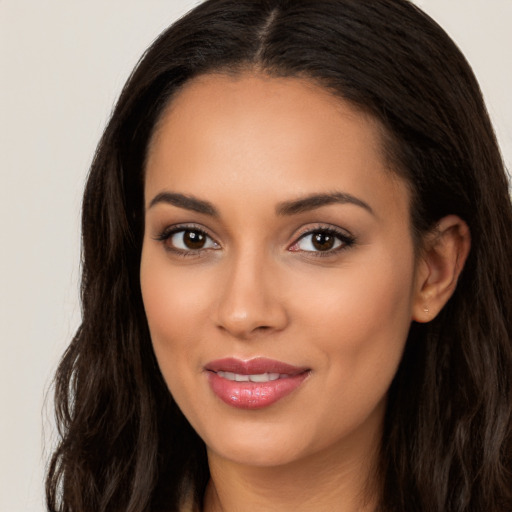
x=168, y=232
x=296, y=236
x=346, y=238
x=308, y=230
x=176, y=228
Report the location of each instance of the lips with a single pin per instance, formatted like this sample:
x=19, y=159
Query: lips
x=253, y=384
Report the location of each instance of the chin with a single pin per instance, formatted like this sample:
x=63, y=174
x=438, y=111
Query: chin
x=266, y=454
x=259, y=444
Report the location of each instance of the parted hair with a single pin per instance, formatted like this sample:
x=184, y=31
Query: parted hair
x=124, y=446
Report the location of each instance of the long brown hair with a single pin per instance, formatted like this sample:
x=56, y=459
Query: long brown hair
x=447, y=442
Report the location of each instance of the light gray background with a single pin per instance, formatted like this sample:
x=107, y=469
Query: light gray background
x=62, y=64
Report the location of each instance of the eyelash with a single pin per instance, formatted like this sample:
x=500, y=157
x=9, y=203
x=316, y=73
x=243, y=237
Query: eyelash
x=169, y=232
x=346, y=240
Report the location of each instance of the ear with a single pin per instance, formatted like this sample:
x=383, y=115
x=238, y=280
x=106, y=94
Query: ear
x=444, y=253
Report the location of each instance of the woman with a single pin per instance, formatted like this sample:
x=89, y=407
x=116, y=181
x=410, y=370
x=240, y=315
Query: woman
x=296, y=274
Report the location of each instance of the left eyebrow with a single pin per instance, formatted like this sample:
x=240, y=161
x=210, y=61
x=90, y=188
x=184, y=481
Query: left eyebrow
x=315, y=201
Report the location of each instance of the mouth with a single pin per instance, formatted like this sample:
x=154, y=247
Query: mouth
x=260, y=377
x=253, y=384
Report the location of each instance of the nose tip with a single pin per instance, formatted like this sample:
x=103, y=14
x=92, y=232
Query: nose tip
x=250, y=305
x=246, y=324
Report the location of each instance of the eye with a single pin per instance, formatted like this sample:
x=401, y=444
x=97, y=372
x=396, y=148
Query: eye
x=185, y=240
x=322, y=240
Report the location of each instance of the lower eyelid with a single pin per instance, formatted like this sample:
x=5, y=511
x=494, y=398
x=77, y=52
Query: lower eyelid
x=209, y=240
x=337, y=244
x=343, y=240
x=346, y=240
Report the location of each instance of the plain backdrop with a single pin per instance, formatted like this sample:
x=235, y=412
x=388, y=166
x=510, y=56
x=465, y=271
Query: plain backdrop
x=62, y=65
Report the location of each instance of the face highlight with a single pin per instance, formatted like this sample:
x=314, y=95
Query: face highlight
x=278, y=268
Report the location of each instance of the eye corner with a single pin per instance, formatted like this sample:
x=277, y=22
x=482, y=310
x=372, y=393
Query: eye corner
x=329, y=241
x=186, y=240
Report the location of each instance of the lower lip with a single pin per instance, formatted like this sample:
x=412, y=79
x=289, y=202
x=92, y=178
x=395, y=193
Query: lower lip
x=254, y=395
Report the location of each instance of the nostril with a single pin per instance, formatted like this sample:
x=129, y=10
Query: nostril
x=244, y=310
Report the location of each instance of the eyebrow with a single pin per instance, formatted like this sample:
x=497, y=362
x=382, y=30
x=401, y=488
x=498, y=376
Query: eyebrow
x=186, y=202
x=314, y=201
x=285, y=208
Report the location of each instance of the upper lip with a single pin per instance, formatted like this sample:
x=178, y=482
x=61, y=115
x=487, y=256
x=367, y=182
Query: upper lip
x=254, y=366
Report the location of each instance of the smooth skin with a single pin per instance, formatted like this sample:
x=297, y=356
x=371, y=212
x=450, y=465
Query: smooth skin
x=230, y=268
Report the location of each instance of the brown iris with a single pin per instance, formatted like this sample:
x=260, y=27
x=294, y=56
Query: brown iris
x=323, y=241
x=194, y=239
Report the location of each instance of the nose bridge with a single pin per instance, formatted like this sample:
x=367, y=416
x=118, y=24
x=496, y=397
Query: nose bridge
x=249, y=300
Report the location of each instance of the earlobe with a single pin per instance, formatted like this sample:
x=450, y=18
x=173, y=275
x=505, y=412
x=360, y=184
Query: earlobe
x=444, y=253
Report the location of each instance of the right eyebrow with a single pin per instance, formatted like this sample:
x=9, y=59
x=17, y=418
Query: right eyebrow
x=184, y=201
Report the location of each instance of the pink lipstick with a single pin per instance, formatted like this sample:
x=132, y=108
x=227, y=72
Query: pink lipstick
x=253, y=384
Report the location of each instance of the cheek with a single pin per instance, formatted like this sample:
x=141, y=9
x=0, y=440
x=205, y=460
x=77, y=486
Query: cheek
x=171, y=294
x=172, y=303
x=361, y=319
x=376, y=289
x=359, y=324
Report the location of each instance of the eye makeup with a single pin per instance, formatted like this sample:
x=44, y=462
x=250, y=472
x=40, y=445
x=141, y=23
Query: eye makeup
x=317, y=241
x=186, y=240
x=322, y=241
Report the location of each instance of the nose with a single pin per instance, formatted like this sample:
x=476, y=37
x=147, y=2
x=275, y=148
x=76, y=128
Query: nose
x=251, y=300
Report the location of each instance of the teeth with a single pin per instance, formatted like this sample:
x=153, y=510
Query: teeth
x=262, y=377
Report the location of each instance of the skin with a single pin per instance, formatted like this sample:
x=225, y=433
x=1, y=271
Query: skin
x=259, y=288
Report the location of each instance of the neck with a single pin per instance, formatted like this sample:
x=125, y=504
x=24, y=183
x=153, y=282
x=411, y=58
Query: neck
x=340, y=478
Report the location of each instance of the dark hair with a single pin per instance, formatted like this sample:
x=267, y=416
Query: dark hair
x=447, y=442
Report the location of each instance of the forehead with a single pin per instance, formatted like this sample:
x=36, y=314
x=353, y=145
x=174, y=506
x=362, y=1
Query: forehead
x=241, y=98
x=277, y=136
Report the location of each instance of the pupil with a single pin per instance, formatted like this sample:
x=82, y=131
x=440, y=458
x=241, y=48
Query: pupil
x=194, y=239
x=323, y=241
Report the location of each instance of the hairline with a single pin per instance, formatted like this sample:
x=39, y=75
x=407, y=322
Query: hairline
x=387, y=141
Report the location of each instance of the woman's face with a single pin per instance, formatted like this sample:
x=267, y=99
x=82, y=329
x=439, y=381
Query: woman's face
x=278, y=268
